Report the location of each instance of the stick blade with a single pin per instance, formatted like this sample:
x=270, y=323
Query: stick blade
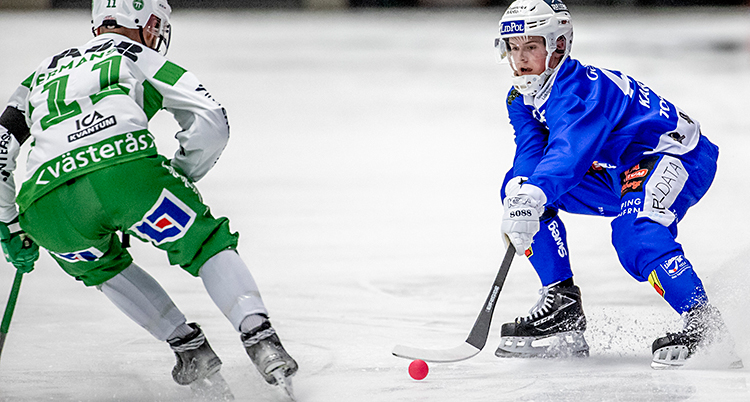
x=462, y=352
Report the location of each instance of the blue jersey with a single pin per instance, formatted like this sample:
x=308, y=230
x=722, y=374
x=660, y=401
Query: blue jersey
x=586, y=115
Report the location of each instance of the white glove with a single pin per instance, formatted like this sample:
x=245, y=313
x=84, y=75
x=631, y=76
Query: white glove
x=521, y=216
x=514, y=186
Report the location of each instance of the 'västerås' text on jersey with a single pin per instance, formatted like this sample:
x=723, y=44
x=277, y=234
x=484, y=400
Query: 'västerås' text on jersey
x=88, y=107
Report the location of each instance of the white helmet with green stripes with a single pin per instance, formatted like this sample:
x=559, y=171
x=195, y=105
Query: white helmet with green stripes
x=149, y=17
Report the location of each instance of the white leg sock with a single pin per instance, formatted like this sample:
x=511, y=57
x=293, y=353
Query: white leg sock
x=251, y=322
x=232, y=287
x=141, y=298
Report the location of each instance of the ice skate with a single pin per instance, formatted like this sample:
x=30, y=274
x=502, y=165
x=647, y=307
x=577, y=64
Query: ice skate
x=272, y=361
x=553, y=328
x=704, y=330
x=198, y=366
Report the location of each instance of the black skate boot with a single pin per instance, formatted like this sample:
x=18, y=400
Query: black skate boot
x=703, y=328
x=195, y=358
x=265, y=350
x=198, y=366
x=553, y=328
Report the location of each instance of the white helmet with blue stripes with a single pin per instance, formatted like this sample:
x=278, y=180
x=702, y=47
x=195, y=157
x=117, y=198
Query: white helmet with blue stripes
x=549, y=19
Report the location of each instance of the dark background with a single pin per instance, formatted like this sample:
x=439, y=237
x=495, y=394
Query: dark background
x=407, y=3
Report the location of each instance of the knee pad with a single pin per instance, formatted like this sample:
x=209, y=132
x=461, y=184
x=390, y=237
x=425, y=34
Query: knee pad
x=642, y=244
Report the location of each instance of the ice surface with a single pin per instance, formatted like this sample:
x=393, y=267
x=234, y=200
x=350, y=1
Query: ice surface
x=363, y=172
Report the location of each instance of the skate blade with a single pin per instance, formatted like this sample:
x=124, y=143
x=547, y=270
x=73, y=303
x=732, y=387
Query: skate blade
x=669, y=357
x=562, y=345
x=284, y=382
x=676, y=356
x=212, y=388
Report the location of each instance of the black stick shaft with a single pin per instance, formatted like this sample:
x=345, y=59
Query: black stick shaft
x=9, y=308
x=481, y=329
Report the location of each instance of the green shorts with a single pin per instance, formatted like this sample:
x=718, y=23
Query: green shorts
x=78, y=222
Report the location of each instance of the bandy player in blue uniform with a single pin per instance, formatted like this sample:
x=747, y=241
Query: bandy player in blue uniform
x=597, y=142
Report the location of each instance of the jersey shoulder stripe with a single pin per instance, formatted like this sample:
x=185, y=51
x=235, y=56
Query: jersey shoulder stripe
x=169, y=73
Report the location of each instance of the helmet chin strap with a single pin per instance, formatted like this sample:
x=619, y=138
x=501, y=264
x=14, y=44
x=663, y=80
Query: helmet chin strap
x=530, y=84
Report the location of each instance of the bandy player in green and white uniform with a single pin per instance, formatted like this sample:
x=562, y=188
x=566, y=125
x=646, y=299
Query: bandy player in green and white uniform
x=94, y=170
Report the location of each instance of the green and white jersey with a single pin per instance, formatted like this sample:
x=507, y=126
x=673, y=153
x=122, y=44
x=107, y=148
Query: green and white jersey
x=88, y=107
